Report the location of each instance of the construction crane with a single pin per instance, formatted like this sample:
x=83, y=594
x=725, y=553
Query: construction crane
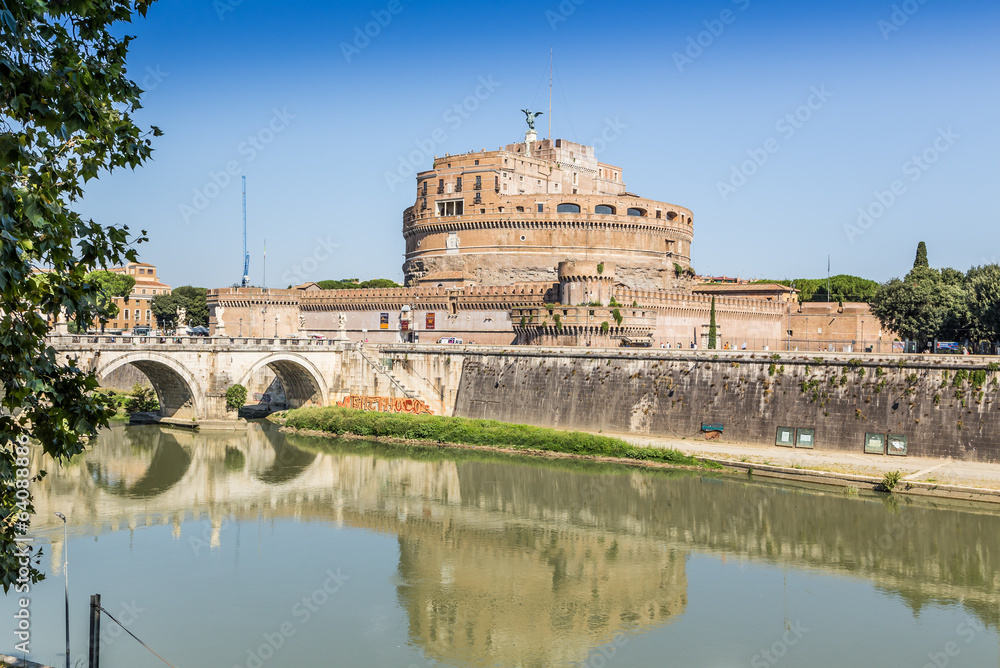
x=246, y=255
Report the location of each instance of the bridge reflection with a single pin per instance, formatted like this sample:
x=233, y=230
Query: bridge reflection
x=511, y=563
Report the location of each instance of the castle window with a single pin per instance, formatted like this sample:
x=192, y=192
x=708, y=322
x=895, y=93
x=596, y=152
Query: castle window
x=520, y=209
x=500, y=209
x=671, y=215
x=479, y=182
x=568, y=208
x=458, y=184
x=440, y=185
x=477, y=162
x=636, y=212
x=604, y=208
x=454, y=207
x=541, y=208
x=671, y=246
x=659, y=214
x=576, y=179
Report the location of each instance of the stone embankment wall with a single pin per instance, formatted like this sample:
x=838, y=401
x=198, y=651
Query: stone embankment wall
x=946, y=406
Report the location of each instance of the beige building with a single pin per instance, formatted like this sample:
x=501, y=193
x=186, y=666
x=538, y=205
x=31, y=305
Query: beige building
x=136, y=309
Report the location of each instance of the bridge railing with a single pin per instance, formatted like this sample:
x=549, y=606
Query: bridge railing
x=187, y=341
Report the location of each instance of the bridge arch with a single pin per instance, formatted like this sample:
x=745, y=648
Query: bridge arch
x=303, y=382
x=176, y=388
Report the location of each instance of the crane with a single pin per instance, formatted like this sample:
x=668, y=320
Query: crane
x=246, y=255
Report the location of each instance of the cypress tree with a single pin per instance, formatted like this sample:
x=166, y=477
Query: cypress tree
x=712, y=329
x=921, y=260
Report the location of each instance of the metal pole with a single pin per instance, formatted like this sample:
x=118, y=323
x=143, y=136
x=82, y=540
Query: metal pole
x=66, y=574
x=95, y=631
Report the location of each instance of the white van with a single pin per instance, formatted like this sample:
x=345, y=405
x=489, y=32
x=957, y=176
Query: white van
x=449, y=339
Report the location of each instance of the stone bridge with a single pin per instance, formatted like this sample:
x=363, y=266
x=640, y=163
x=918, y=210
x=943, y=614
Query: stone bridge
x=191, y=374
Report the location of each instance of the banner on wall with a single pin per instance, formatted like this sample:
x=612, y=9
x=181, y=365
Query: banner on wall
x=430, y=321
x=383, y=321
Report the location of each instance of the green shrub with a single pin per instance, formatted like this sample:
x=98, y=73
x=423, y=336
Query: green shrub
x=890, y=480
x=617, y=315
x=605, y=327
x=236, y=396
x=142, y=399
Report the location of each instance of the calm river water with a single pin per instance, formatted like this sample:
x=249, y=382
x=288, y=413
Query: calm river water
x=262, y=549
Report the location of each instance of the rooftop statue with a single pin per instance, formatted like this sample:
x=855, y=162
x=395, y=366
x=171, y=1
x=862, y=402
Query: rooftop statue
x=530, y=117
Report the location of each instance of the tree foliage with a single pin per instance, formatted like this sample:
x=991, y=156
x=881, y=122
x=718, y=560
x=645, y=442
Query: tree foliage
x=355, y=284
x=194, y=301
x=236, y=396
x=66, y=118
x=142, y=399
x=983, y=285
x=843, y=288
x=712, y=328
x=109, y=284
x=943, y=304
x=921, y=259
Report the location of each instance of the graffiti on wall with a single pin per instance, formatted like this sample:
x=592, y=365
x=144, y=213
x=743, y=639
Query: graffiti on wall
x=385, y=404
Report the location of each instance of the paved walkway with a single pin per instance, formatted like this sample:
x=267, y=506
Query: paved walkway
x=914, y=469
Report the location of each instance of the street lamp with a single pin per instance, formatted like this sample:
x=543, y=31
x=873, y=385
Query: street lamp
x=66, y=574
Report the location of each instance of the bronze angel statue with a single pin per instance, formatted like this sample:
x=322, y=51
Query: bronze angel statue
x=530, y=116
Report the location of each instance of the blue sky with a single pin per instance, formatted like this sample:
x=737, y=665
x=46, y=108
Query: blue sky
x=893, y=112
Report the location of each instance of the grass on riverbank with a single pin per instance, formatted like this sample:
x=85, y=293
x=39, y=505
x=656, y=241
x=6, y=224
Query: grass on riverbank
x=440, y=429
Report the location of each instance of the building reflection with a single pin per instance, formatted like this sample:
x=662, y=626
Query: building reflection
x=513, y=563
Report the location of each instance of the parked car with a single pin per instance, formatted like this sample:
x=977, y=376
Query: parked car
x=197, y=331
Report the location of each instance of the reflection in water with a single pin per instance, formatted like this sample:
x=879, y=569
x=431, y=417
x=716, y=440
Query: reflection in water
x=165, y=463
x=515, y=562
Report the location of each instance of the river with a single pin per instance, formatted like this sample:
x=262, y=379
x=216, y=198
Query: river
x=256, y=548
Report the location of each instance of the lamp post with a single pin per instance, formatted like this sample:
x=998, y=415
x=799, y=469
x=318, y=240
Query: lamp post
x=66, y=574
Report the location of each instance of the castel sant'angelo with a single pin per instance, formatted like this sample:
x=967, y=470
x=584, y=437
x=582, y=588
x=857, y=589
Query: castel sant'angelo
x=534, y=243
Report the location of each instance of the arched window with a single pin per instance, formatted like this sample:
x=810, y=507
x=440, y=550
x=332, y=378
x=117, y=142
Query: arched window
x=637, y=212
x=568, y=208
x=671, y=215
x=604, y=208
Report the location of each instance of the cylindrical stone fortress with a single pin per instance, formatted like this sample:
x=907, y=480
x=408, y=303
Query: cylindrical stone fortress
x=512, y=215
